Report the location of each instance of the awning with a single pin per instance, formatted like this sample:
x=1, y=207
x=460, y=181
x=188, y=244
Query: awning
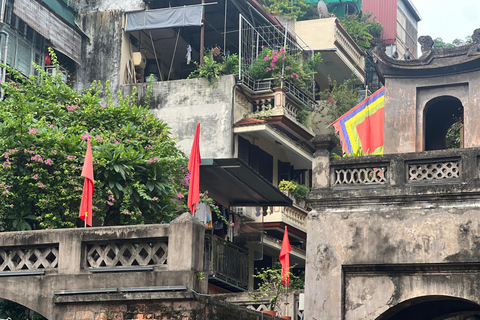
x=234, y=182
x=185, y=16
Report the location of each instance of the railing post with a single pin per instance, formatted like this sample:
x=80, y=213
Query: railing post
x=324, y=144
x=69, y=253
x=186, y=243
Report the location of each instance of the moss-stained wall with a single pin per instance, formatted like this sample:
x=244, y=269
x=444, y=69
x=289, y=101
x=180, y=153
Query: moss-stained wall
x=102, y=50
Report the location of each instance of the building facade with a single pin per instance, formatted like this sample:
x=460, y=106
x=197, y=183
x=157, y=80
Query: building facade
x=399, y=19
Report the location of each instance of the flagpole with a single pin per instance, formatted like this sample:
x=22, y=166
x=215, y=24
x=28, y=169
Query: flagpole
x=86, y=215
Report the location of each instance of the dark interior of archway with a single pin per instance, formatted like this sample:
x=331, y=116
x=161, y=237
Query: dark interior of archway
x=441, y=309
x=15, y=311
x=440, y=114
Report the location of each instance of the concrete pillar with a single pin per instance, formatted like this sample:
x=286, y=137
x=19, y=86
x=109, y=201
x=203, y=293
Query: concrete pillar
x=324, y=144
x=70, y=253
x=186, y=243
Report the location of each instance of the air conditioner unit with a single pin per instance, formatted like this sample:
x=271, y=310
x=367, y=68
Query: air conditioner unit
x=139, y=60
x=249, y=212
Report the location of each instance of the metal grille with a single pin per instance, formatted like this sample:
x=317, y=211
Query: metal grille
x=226, y=261
x=28, y=258
x=377, y=175
x=434, y=171
x=253, y=39
x=126, y=254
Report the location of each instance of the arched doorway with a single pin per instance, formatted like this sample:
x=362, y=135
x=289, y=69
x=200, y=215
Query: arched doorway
x=433, y=308
x=443, y=116
x=15, y=311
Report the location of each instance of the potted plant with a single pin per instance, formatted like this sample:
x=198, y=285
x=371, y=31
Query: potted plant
x=271, y=287
x=296, y=191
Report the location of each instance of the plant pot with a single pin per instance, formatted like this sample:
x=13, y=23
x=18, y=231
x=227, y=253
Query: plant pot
x=286, y=317
x=270, y=312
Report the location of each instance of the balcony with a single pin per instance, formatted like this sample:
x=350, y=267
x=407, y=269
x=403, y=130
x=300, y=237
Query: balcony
x=398, y=179
x=225, y=264
x=294, y=216
x=341, y=55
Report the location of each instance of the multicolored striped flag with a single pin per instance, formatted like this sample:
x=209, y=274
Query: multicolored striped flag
x=361, y=128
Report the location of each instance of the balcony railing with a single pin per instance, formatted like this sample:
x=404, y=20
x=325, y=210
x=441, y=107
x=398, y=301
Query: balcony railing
x=344, y=41
x=226, y=261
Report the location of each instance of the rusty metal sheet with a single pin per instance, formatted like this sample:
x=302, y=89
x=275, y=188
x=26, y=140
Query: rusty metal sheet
x=63, y=37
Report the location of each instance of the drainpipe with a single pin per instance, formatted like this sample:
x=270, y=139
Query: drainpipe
x=3, y=33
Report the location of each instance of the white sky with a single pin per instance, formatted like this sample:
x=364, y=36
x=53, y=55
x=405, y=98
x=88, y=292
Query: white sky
x=448, y=19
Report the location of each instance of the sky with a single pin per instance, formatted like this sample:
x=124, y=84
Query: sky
x=448, y=19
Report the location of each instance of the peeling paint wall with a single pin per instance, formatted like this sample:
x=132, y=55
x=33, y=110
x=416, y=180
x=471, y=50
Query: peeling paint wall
x=184, y=103
x=88, y=6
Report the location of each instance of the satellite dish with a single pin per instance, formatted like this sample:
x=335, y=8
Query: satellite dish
x=322, y=9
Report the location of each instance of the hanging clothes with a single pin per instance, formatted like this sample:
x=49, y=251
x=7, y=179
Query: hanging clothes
x=189, y=54
x=204, y=213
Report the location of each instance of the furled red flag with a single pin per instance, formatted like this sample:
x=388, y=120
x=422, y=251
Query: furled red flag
x=87, y=172
x=285, y=259
x=361, y=128
x=194, y=168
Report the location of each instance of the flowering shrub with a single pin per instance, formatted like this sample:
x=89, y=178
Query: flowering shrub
x=270, y=63
x=44, y=126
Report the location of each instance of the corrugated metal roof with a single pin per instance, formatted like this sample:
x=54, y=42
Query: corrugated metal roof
x=385, y=12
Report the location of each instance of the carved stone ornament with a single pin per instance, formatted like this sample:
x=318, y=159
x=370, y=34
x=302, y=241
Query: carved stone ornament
x=426, y=42
x=476, y=36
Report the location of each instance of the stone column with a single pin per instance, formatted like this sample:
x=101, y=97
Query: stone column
x=324, y=144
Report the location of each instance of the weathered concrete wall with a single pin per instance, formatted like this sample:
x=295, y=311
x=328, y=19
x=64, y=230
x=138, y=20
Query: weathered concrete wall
x=374, y=245
x=404, y=108
x=102, y=50
x=65, y=268
x=184, y=103
x=88, y=6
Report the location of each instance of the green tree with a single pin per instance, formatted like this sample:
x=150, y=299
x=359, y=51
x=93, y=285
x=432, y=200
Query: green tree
x=341, y=97
x=362, y=28
x=438, y=43
x=44, y=126
x=293, y=9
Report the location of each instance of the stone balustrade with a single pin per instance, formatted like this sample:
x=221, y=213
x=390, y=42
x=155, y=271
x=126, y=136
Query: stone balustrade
x=63, y=267
x=398, y=176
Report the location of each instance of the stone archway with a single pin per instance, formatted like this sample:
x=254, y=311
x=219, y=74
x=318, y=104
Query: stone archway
x=14, y=310
x=433, y=308
x=440, y=114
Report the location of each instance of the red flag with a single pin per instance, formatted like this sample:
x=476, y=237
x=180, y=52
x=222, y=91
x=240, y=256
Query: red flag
x=285, y=259
x=87, y=172
x=194, y=168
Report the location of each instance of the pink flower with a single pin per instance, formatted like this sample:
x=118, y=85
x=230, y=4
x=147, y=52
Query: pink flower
x=287, y=67
x=85, y=136
x=180, y=196
x=232, y=223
